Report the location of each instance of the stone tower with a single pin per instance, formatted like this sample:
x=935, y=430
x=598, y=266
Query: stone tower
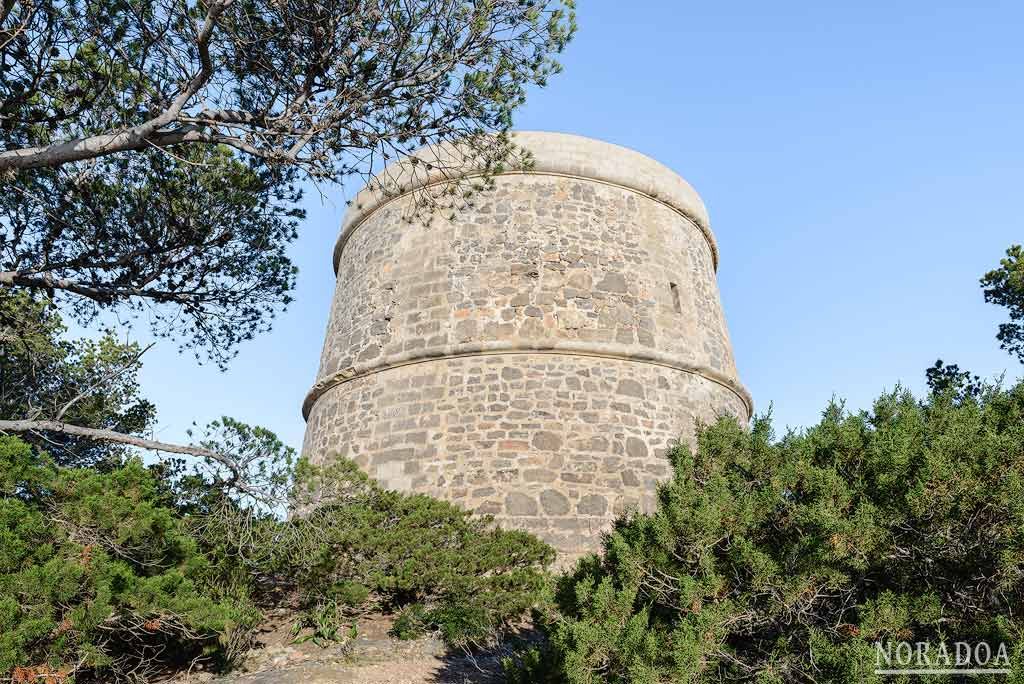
x=534, y=357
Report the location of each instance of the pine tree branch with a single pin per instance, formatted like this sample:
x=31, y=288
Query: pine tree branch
x=135, y=137
x=229, y=462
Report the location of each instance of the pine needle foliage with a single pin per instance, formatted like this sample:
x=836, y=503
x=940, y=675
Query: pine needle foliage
x=123, y=574
x=100, y=577
x=355, y=548
x=788, y=560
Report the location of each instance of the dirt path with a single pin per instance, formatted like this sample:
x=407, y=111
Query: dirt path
x=372, y=658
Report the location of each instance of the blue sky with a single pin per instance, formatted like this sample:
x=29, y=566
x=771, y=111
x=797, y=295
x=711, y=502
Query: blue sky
x=863, y=166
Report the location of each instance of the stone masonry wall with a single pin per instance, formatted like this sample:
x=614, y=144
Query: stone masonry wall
x=554, y=444
x=535, y=356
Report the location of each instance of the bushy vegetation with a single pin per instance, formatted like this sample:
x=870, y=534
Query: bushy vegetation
x=98, y=573
x=115, y=574
x=786, y=560
x=360, y=548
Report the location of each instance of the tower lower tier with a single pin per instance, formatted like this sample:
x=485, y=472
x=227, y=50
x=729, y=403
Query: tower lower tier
x=556, y=443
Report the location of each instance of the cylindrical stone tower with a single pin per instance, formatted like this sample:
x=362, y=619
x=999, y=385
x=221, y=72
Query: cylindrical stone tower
x=534, y=357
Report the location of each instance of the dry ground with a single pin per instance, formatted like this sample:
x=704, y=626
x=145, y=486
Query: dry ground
x=371, y=658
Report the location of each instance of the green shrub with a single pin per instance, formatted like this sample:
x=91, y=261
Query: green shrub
x=102, y=571
x=326, y=624
x=99, y=575
x=788, y=560
x=369, y=549
x=411, y=622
